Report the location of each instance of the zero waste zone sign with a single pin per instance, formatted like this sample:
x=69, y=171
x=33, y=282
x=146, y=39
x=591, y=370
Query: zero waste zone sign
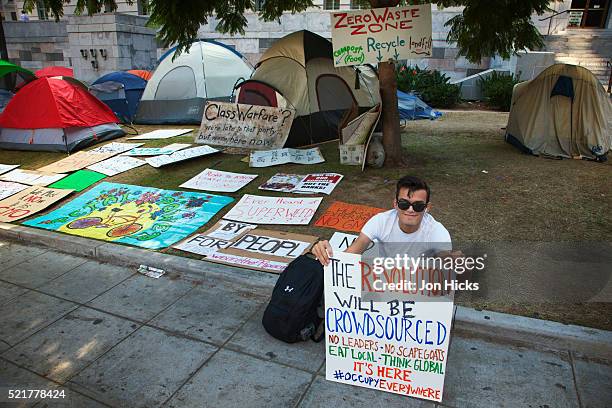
x=377, y=35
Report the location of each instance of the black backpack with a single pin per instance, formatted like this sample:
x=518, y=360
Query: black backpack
x=291, y=315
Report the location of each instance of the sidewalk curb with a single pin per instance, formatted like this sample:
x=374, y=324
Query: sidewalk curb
x=499, y=327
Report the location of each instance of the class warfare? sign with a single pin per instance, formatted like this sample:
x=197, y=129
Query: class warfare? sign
x=378, y=35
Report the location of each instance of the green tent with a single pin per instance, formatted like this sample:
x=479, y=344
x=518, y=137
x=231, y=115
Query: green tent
x=13, y=77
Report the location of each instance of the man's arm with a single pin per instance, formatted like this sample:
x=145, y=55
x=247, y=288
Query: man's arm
x=323, y=251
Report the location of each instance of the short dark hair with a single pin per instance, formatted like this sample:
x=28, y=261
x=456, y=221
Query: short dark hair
x=413, y=184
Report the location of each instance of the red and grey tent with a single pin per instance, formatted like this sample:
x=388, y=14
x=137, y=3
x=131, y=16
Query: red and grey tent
x=51, y=114
x=54, y=71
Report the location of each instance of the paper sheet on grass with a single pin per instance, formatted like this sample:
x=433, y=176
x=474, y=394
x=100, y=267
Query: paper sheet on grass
x=78, y=181
x=154, y=151
x=216, y=180
x=282, y=182
x=75, y=161
x=7, y=167
x=29, y=201
x=163, y=160
x=255, y=209
x=31, y=177
x=269, y=158
x=9, y=188
x=318, y=183
x=116, y=165
x=115, y=147
x=161, y=134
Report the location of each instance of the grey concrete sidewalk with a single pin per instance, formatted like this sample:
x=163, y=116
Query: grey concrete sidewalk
x=108, y=336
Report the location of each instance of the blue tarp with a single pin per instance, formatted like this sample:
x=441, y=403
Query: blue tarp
x=121, y=91
x=412, y=108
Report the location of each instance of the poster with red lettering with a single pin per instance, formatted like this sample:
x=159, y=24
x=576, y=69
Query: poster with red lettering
x=255, y=209
x=29, y=201
x=393, y=344
x=347, y=217
x=376, y=35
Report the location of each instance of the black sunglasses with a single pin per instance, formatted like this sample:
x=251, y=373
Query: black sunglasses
x=418, y=206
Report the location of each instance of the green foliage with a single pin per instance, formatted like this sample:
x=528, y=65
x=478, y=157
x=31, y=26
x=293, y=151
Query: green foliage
x=497, y=89
x=433, y=87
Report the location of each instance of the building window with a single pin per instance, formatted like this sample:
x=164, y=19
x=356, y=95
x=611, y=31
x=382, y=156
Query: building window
x=259, y=5
x=107, y=7
x=359, y=4
x=331, y=5
x=42, y=10
x=14, y=15
x=143, y=7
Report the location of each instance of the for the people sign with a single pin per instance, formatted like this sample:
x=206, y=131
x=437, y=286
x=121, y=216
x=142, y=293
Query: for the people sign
x=377, y=35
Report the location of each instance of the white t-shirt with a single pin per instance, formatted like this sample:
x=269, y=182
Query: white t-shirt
x=384, y=228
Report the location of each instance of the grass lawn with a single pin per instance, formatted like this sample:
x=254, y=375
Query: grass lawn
x=516, y=198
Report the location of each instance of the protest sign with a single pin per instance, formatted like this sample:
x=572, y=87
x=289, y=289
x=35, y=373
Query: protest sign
x=116, y=165
x=31, y=177
x=75, y=161
x=154, y=151
x=397, y=346
x=115, y=147
x=216, y=180
x=202, y=245
x=347, y=217
x=179, y=156
x=79, y=180
x=284, y=156
x=247, y=262
x=274, y=210
x=282, y=182
x=7, y=167
x=161, y=134
x=8, y=188
x=228, y=230
x=376, y=35
x=143, y=216
x=319, y=183
x=245, y=126
x=340, y=241
x=29, y=201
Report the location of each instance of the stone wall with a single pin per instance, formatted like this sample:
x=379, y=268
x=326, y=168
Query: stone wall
x=37, y=44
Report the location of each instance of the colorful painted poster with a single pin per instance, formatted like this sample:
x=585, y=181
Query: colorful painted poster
x=319, y=183
x=282, y=182
x=78, y=181
x=115, y=147
x=8, y=188
x=202, y=245
x=75, y=161
x=29, y=202
x=347, y=217
x=161, y=134
x=228, y=230
x=376, y=35
x=142, y=216
x=179, y=156
x=31, y=177
x=283, y=156
x=154, y=151
x=7, y=167
x=116, y=165
x=274, y=210
x=216, y=180
x=245, y=126
x=396, y=345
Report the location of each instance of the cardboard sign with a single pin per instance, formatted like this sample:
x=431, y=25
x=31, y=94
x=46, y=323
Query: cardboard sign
x=284, y=156
x=319, y=183
x=347, y=217
x=216, y=180
x=202, y=245
x=29, y=202
x=75, y=161
x=245, y=126
x=376, y=35
x=154, y=151
x=182, y=155
x=341, y=241
x=79, y=180
x=8, y=188
x=161, y=134
x=116, y=165
x=31, y=177
x=228, y=230
x=397, y=345
x=7, y=167
x=247, y=262
x=356, y=137
x=283, y=182
x=274, y=210
x=115, y=147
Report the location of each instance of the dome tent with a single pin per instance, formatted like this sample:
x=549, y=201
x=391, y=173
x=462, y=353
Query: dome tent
x=121, y=91
x=298, y=72
x=180, y=87
x=51, y=114
x=12, y=78
x=54, y=71
x=562, y=112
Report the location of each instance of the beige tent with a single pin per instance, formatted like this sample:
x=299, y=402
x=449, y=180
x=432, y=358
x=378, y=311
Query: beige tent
x=298, y=72
x=563, y=112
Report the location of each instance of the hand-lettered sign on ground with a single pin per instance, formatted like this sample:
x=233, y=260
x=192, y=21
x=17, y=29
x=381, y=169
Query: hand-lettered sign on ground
x=340, y=241
x=284, y=156
x=216, y=180
x=29, y=201
x=179, y=156
x=319, y=183
x=397, y=346
x=245, y=126
x=7, y=167
x=75, y=161
x=274, y=210
x=154, y=151
x=116, y=165
x=202, y=245
x=78, y=181
x=161, y=134
x=228, y=230
x=347, y=217
x=8, y=188
x=142, y=216
x=283, y=182
x=381, y=34
x=31, y=177
x=115, y=147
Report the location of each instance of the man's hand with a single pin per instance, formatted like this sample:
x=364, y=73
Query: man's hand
x=323, y=251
